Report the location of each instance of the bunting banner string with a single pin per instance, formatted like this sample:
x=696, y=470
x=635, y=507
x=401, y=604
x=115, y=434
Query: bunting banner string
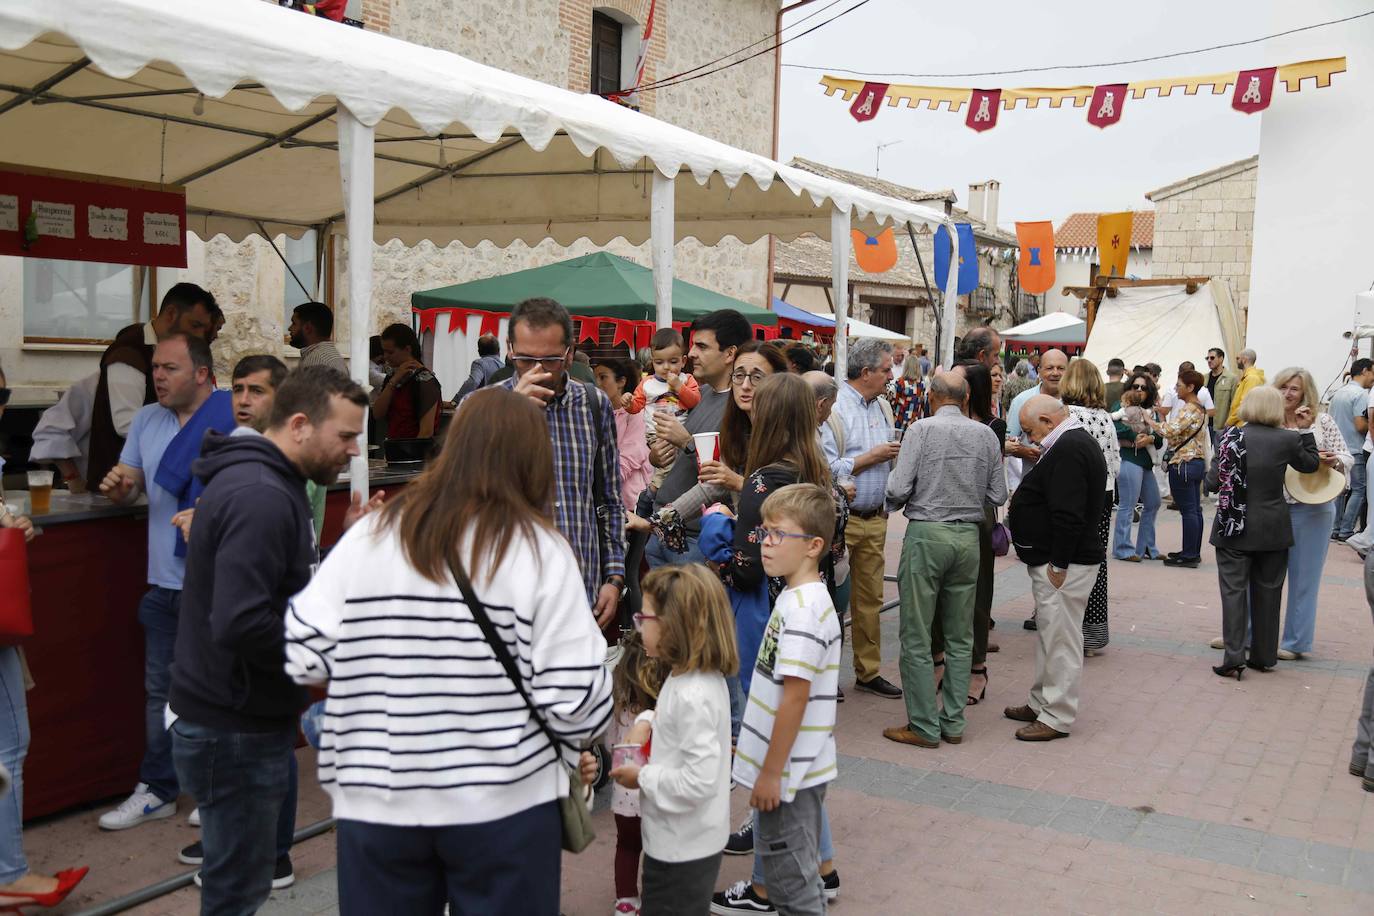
x=1251, y=92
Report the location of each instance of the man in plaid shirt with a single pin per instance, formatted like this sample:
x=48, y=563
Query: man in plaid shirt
x=586, y=463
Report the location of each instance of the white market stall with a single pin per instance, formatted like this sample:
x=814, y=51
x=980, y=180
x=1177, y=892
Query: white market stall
x=1164, y=323
x=262, y=114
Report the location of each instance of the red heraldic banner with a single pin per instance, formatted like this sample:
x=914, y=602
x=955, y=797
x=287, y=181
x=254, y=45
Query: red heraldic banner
x=865, y=107
x=1254, y=90
x=1105, y=108
x=982, y=108
x=74, y=217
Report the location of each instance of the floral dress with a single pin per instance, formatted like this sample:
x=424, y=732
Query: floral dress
x=908, y=402
x=1099, y=424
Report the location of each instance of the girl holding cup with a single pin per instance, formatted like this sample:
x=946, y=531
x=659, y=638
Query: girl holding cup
x=684, y=789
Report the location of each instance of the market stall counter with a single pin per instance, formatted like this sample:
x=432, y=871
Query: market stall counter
x=87, y=571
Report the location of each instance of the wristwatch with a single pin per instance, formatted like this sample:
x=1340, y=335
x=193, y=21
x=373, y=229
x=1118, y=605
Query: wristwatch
x=617, y=581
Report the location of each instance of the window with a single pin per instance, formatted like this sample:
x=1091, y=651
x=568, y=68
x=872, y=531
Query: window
x=607, y=36
x=76, y=301
x=300, y=254
x=983, y=301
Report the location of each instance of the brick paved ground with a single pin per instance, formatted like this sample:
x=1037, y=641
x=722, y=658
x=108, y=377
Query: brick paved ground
x=1178, y=792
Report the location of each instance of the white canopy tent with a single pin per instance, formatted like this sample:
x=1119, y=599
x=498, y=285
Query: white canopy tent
x=262, y=114
x=1164, y=324
x=1054, y=321
x=856, y=328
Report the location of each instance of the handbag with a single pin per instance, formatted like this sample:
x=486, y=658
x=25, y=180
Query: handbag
x=1001, y=540
x=1169, y=453
x=573, y=810
x=16, y=612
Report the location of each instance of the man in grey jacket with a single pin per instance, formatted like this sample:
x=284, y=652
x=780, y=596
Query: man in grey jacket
x=484, y=367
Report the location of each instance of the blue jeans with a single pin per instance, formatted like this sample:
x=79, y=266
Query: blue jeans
x=14, y=745
x=1135, y=484
x=827, y=845
x=1185, y=483
x=240, y=780
x=659, y=555
x=1307, y=556
x=511, y=865
x=1354, y=500
x=158, y=612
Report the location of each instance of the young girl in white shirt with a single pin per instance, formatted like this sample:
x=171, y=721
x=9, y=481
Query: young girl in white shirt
x=685, y=786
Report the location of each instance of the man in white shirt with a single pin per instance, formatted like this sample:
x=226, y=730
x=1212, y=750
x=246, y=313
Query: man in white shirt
x=312, y=326
x=1169, y=404
x=63, y=433
x=898, y=360
x=1348, y=409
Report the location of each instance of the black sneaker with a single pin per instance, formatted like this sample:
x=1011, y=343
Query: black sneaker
x=1028, y=624
x=741, y=842
x=740, y=898
x=832, y=884
x=881, y=687
x=192, y=855
x=284, y=875
x=1181, y=561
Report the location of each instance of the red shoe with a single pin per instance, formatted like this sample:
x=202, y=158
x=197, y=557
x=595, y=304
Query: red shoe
x=66, y=883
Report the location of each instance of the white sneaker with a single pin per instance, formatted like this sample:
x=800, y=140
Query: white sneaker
x=194, y=819
x=1218, y=643
x=139, y=807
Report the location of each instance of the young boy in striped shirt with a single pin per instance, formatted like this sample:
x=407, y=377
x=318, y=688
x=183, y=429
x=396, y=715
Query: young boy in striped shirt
x=786, y=750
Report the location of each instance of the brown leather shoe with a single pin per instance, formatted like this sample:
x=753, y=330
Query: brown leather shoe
x=904, y=735
x=1038, y=731
x=951, y=739
x=1019, y=713
x=994, y=647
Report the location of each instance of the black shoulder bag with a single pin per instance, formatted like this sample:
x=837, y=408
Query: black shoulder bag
x=1169, y=453
x=576, y=816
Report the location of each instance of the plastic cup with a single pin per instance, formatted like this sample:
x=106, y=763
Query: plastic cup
x=708, y=447
x=622, y=754
x=40, y=492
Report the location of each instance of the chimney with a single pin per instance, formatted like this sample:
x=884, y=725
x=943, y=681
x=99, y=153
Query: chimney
x=976, y=199
x=990, y=203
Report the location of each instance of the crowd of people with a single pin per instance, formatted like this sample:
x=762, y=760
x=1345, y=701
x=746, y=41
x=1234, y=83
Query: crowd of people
x=660, y=558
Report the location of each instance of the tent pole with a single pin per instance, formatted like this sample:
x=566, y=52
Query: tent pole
x=949, y=324
x=661, y=215
x=839, y=284
x=356, y=147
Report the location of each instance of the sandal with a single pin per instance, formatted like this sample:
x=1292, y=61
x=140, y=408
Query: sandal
x=983, y=673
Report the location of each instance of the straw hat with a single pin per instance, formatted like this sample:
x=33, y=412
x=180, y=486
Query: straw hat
x=1314, y=489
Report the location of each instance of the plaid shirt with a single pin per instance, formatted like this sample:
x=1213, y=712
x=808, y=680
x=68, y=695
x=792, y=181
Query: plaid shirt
x=593, y=524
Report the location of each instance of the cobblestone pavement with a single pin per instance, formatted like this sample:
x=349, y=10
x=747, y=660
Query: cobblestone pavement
x=1178, y=792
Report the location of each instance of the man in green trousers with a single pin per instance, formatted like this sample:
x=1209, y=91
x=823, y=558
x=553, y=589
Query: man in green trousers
x=948, y=471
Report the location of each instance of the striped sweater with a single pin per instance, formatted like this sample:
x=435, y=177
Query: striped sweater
x=422, y=727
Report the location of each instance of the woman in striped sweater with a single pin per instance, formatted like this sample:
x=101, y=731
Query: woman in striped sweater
x=444, y=784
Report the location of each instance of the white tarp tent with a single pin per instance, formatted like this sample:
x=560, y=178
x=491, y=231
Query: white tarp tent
x=1054, y=321
x=262, y=114
x=1165, y=325
x=856, y=328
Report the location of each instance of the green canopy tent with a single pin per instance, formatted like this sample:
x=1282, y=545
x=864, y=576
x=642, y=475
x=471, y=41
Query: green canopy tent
x=599, y=285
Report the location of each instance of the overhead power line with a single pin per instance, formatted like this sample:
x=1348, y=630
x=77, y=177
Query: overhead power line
x=1112, y=63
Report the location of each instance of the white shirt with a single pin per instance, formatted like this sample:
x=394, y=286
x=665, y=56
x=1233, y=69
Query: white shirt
x=127, y=386
x=684, y=789
x=1369, y=442
x=1170, y=400
x=64, y=430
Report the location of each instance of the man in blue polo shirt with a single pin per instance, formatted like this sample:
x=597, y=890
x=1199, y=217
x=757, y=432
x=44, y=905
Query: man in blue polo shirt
x=181, y=377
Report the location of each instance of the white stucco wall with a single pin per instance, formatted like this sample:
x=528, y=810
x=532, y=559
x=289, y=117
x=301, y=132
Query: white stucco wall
x=1314, y=197
x=1073, y=271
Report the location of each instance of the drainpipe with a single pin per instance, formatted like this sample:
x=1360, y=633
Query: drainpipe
x=777, y=93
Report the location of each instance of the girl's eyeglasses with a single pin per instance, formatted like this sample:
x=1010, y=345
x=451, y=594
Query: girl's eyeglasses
x=774, y=536
x=640, y=618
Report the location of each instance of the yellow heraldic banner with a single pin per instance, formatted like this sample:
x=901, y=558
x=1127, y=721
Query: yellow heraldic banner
x=1113, y=243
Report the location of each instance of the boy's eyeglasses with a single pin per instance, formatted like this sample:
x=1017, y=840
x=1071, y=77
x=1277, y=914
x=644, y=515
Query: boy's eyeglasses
x=547, y=363
x=775, y=536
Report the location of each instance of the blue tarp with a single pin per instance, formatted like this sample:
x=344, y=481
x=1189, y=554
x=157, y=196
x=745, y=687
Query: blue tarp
x=801, y=316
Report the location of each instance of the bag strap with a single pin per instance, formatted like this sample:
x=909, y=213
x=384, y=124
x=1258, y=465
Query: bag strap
x=498, y=648
x=598, y=477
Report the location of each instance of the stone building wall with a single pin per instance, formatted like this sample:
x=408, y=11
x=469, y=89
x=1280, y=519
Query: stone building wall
x=1204, y=227
x=547, y=40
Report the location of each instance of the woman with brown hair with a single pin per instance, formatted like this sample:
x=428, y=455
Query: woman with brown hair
x=442, y=774
x=1084, y=393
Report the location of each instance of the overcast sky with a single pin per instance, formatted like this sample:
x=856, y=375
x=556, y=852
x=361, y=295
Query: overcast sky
x=1050, y=162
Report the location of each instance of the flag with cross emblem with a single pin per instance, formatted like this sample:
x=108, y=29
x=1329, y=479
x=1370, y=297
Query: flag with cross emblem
x=1113, y=243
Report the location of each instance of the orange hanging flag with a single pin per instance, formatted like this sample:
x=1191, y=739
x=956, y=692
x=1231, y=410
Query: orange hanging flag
x=1035, y=265
x=875, y=255
x=1113, y=243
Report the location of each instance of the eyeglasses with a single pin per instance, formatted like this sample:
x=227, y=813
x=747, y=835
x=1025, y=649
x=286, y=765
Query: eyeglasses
x=640, y=618
x=4, y=396
x=758, y=375
x=1140, y=387
x=548, y=363
x=774, y=536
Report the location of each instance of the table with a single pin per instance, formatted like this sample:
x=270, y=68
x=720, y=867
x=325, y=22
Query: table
x=88, y=571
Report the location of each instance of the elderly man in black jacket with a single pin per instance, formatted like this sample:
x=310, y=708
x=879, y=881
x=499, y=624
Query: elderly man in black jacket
x=1054, y=517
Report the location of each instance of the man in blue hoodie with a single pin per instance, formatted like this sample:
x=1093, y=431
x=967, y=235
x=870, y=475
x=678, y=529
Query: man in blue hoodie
x=252, y=547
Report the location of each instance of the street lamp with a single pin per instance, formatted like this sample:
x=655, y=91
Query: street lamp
x=878, y=155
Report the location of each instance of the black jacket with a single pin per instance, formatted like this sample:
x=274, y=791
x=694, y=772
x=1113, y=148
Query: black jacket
x=252, y=547
x=1056, y=510
x=1269, y=453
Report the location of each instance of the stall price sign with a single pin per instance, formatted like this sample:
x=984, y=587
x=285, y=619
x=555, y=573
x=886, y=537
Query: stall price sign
x=75, y=217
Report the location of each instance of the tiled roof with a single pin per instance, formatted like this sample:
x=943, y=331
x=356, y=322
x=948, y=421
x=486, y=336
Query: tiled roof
x=939, y=200
x=1080, y=230
x=1194, y=181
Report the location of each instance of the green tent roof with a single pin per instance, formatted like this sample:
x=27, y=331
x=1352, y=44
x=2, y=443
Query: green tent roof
x=599, y=285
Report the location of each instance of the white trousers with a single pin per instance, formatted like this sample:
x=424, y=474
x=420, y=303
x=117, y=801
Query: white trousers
x=1059, y=653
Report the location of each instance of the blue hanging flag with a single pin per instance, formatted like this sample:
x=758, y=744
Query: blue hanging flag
x=968, y=258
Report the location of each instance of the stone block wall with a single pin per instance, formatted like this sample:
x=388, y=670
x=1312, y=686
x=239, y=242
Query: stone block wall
x=1206, y=230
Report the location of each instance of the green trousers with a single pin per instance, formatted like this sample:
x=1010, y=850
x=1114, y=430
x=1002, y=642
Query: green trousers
x=938, y=580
